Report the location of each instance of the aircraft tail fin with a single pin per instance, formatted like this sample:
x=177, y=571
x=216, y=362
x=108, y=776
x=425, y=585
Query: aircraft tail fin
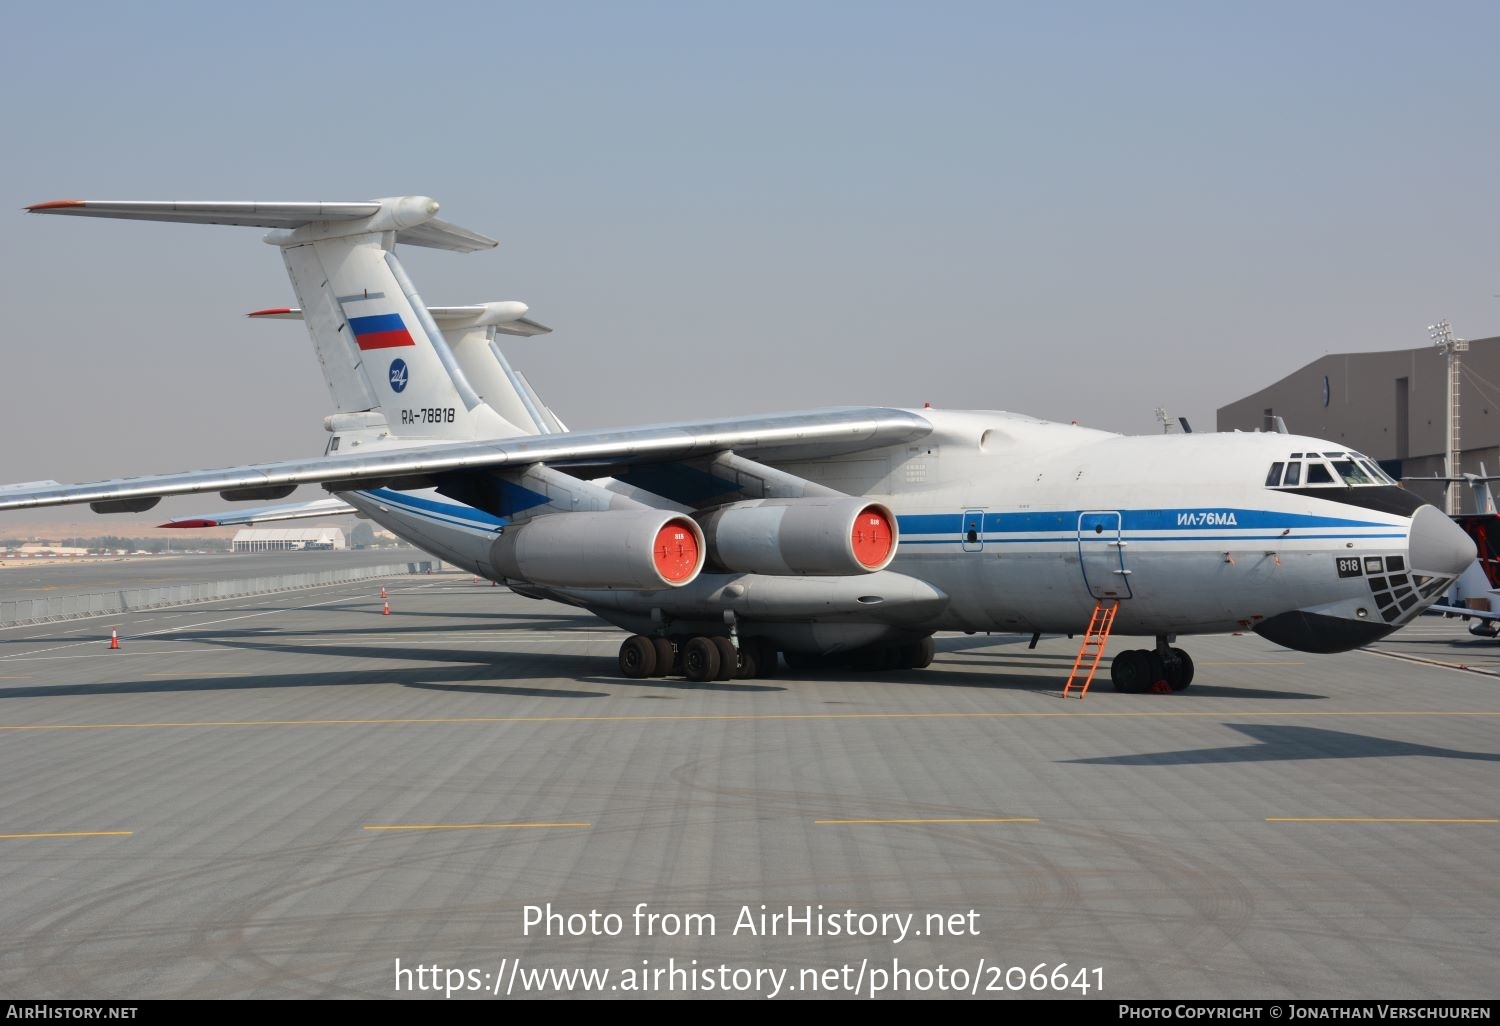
x=379, y=346
x=471, y=333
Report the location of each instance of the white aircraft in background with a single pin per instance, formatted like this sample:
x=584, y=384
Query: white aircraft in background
x=844, y=534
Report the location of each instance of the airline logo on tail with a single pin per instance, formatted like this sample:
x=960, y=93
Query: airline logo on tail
x=381, y=331
x=398, y=375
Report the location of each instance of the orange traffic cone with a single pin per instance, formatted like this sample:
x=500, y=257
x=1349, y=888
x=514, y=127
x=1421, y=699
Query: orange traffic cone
x=382, y=591
x=114, y=638
x=476, y=580
x=386, y=610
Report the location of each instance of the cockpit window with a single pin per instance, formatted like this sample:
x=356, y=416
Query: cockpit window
x=1351, y=472
x=1341, y=469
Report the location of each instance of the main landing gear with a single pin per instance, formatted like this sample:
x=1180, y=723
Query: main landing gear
x=1160, y=670
x=700, y=658
x=705, y=657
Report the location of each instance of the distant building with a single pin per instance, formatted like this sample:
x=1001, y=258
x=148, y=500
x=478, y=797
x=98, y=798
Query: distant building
x=1393, y=407
x=47, y=549
x=276, y=539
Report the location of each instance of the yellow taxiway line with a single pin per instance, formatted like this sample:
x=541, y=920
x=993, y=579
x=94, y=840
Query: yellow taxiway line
x=1369, y=819
x=882, y=822
x=73, y=833
x=473, y=826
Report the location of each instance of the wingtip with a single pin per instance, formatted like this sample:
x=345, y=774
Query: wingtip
x=38, y=208
x=200, y=522
x=270, y=311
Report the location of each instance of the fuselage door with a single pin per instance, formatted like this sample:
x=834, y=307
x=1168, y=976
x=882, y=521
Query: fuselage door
x=1101, y=553
x=972, y=530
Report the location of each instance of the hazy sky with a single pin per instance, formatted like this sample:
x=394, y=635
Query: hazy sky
x=1073, y=210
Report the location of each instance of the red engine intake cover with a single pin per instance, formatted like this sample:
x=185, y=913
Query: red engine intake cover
x=871, y=537
x=675, y=551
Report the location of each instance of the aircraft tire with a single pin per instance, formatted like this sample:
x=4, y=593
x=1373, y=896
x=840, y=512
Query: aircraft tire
x=729, y=658
x=666, y=657
x=750, y=656
x=1184, y=671
x=637, y=657
x=920, y=655
x=1157, y=681
x=700, y=659
x=1129, y=671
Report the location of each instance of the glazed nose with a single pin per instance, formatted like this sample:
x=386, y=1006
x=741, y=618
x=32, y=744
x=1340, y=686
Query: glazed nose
x=1437, y=545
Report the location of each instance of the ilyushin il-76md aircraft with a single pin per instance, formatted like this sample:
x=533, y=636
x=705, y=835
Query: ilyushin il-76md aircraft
x=840, y=535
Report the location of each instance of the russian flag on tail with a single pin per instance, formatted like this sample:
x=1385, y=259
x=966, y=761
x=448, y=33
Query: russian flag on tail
x=382, y=331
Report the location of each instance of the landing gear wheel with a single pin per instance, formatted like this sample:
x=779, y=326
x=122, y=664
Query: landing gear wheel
x=922, y=652
x=700, y=659
x=729, y=658
x=1130, y=671
x=637, y=657
x=666, y=656
x=1180, y=676
x=749, y=660
x=914, y=655
x=1158, y=683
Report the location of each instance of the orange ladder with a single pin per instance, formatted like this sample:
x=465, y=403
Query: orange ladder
x=1096, y=637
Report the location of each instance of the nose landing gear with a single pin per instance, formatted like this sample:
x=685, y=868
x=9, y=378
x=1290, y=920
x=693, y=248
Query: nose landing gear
x=1162, y=670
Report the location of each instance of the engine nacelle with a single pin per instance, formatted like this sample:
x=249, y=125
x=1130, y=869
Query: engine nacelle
x=636, y=549
x=819, y=537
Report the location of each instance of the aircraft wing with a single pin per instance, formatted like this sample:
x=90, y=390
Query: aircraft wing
x=265, y=514
x=777, y=436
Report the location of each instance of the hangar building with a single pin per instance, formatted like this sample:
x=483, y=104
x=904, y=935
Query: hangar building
x=273, y=539
x=1392, y=407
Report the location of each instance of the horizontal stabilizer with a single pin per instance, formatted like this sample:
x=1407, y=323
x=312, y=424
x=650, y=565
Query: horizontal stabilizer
x=249, y=213
x=507, y=318
x=410, y=217
x=438, y=234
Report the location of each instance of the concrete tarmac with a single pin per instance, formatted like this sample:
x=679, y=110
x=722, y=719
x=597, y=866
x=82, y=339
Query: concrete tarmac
x=283, y=796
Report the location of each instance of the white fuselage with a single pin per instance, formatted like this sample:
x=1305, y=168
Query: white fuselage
x=1025, y=524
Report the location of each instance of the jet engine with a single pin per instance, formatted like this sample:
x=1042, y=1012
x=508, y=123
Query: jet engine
x=818, y=537
x=634, y=549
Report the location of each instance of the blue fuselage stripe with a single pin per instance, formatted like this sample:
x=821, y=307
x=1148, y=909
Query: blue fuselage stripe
x=442, y=512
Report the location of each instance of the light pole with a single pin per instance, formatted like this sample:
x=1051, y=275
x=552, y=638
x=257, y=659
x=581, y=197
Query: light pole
x=1452, y=348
